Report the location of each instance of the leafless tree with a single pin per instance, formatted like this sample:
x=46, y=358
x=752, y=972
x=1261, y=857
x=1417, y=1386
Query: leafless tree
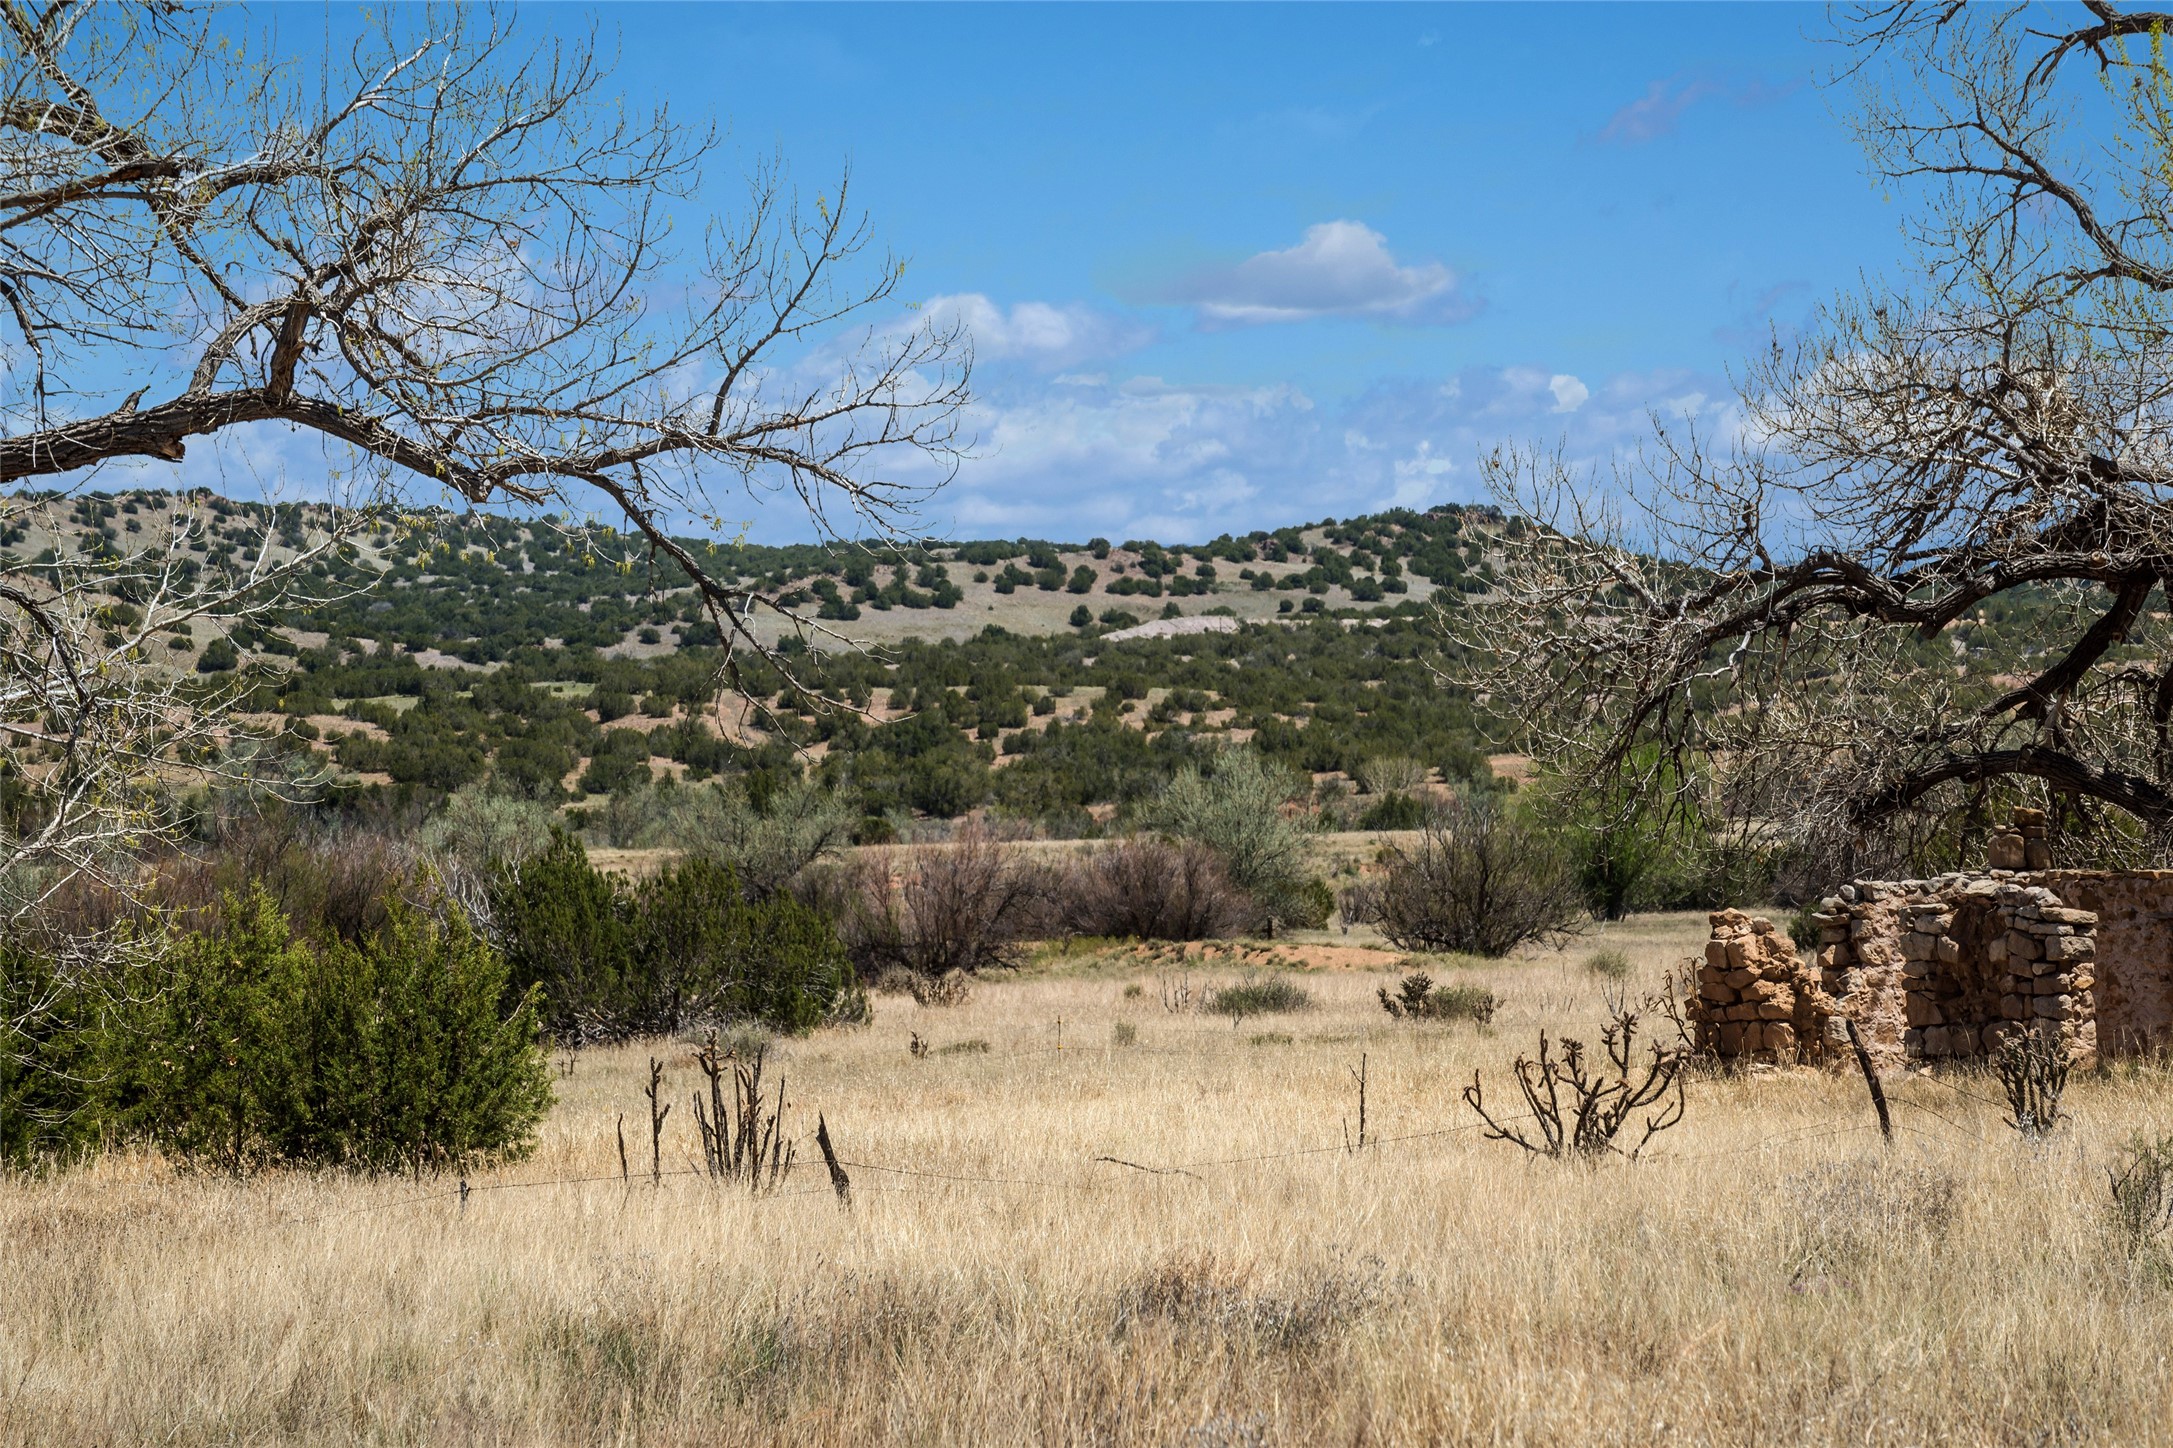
x=970, y=905
x=99, y=729
x=1478, y=879
x=453, y=258
x=1775, y=608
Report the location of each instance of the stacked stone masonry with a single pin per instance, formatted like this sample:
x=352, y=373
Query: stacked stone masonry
x=1755, y=998
x=1947, y=968
x=1944, y=968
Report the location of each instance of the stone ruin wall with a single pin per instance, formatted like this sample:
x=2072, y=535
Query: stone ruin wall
x=2134, y=988
x=1946, y=968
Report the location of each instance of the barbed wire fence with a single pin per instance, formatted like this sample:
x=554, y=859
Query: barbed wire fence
x=1056, y=1174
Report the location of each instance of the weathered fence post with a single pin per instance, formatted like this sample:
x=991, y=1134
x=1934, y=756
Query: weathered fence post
x=838, y=1181
x=1871, y=1079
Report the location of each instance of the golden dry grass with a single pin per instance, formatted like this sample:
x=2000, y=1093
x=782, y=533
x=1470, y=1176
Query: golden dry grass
x=1768, y=1274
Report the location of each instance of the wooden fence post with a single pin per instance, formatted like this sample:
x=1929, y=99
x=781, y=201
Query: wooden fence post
x=838, y=1181
x=1871, y=1079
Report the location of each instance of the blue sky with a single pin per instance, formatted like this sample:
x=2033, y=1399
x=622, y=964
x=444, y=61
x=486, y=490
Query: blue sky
x=1235, y=266
x=1238, y=266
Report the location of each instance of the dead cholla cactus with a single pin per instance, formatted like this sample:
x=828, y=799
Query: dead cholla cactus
x=1578, y=1106
x=2033, y=1068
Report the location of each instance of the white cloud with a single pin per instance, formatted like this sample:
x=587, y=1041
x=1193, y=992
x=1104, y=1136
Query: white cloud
x=1147, y=457
x=1041, y=335
x=1340, y=269
x=1569, y=393
x=1419, y=477
x=1659, y=110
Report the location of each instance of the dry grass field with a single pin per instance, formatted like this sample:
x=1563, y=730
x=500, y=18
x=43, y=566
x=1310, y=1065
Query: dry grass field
x=1769, y=1273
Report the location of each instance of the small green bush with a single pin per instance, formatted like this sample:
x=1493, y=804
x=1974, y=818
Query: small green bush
x=1270, y=995
x=1609, y=963
x=1417, y=998
x=50, y=1048
x=1394, y=812
x=1124, y=1033
x=219, y=657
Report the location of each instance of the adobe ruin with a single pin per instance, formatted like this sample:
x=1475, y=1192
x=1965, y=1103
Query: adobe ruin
x=1947, y=968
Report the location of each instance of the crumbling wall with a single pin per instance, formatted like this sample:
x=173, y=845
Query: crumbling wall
x=1949, y=967
x=1755, y=998
x=1928, y=970
x=1972, y=958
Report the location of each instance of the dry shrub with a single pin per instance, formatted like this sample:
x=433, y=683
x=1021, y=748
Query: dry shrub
x=328, y=881
x=332, y=881
x=1478, y=881
x=1200, y=1295
x=1848, y=1214
x=952, y=988
x=934, y=909
x=1258, y=996
x=2141, y=1178
x=1609, y=963
x=1358, y=903
x=1150, y=890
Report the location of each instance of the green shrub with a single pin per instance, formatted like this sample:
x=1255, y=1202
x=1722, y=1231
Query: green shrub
x=1803, y=927
x=685, y=947
x=1237, y=811
x=49, y=1054
x=705, y=952
x=1609, y=963
x=1270, y=995
x=395, y=1053
x=563, y=926
x=1299, y=905
x=1394, y=812
x=1418, y=998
